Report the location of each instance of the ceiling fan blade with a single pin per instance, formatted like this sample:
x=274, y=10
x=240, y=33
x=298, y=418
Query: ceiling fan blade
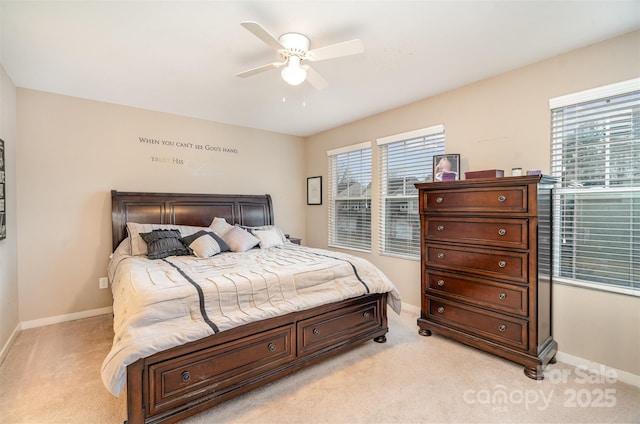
x=336, y=50
x=259, y=69
x=259, y=31
x=315, y=79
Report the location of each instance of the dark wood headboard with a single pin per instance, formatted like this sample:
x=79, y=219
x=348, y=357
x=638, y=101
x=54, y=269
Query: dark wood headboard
x=186, y=209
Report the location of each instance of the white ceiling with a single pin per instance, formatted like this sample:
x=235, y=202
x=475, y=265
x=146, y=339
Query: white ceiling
x=181, y=57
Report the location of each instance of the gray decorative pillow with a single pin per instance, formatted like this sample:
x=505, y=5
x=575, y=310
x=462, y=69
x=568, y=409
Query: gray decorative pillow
x=205, y=244
x=163, y=243
x=139, y=247
x=240, y=240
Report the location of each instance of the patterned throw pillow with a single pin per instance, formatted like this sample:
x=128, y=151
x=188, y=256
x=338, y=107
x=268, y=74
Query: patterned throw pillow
x=164, y=243
x=205, y=244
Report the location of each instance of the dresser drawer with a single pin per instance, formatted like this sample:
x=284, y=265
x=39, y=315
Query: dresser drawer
x=331, y=329
x=502, y=297
x=510, y=233
x=216, y=369
x=482, y=323
x=502, y=264
x=493, y=200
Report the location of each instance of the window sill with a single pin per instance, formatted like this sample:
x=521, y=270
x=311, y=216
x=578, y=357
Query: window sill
x=599, y=287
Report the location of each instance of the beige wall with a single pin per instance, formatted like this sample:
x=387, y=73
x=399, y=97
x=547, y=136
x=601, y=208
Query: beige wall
x=8, y=264
x=71, y=152
x=504, y=122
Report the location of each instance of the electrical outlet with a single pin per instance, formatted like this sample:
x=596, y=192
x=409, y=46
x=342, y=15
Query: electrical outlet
x=103, y=282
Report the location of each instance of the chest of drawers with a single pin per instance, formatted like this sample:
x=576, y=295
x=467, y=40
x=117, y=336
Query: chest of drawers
x=486, y=266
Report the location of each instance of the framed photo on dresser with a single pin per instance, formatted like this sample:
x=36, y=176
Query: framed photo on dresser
x=446, y=167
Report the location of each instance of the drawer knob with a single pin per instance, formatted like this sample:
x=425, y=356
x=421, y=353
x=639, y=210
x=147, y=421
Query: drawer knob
x=272, y=347
x=439, y=199
x=440, y=227
x=441, y=283
x=502, y=328
x=186, y=376
x=502, y=264
x=441, y=309
x=502, y=198
x=440, y=255
x=502, y=296
x=316, y=331
x=366, y=314
x=502, y=231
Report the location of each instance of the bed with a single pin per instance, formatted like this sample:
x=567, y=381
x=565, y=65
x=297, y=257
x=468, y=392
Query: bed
x=212, y=355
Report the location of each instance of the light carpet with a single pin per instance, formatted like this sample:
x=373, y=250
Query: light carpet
x=52, y=375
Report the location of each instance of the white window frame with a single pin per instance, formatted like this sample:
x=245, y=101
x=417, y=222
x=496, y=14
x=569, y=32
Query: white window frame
x=603, y=191
x=358, y=242
x=433, y=136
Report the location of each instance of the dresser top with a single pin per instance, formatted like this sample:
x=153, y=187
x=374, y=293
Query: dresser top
x=489, y=182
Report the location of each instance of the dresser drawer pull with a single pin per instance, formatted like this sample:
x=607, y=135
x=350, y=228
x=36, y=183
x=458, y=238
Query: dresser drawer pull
x=316, y=331
x=440, y=227
x=441, y=283
x=502, y=264
x=366, y=314
x=501, y=199
x=502, y=231
x=186, y=376
x=502, y=328
x=272, y=347
x=440, y=255
x=439, y=199
x=502, y=296
x=440, y=309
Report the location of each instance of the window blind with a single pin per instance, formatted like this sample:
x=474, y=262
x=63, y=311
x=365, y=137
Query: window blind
x=595, y=152
x=405, y=159
x=350, y=197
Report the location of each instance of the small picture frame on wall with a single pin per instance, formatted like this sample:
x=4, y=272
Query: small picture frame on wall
x=314, y=191
x=446, y=167
x=3, y=210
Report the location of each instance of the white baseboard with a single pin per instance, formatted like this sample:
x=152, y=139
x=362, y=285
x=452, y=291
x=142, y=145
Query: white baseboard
x=64, y=318
x=594, y=367
x=9, y=343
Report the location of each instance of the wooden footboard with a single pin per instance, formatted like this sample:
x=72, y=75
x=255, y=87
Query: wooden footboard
x=174, y=384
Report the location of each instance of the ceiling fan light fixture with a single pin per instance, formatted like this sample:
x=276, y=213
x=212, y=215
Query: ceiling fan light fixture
x=293, y=73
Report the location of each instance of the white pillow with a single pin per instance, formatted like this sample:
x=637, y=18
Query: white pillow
x=138, y=245
x=220, y=226
x=269, y=236
x=239, y=240
x=205, y=246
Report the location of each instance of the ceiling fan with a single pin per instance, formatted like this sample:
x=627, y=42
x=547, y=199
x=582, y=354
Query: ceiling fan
x=294, y=50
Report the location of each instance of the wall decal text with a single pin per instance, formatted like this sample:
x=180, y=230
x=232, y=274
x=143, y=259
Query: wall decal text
x=183, y=145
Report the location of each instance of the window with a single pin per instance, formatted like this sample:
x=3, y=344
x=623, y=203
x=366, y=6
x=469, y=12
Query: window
x=350, y=197
x=595, y=152
x=405, y=159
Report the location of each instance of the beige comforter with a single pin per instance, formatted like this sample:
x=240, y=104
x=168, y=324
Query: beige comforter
x=157, y=305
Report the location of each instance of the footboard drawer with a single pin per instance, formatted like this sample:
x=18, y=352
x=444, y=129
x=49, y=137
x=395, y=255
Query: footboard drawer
x=215, y=371
x=329, y=330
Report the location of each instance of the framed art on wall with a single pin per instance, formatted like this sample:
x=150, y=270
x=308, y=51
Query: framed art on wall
x=3, y=209
x=314, y=191
x=446, y=167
